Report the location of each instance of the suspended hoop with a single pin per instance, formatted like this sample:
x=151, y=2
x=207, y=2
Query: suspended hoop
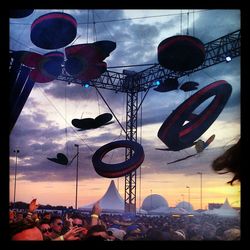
x=181, y=53
x=119, y=169
x=53, y=30
x=178, y=136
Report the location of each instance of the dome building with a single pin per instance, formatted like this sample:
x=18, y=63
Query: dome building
x=153, y=202
x=185, y=205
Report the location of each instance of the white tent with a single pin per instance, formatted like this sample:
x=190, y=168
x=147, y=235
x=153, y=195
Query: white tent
x=225, y=210
x=110, y=202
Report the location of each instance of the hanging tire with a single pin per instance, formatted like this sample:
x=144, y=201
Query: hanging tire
x=119, y=169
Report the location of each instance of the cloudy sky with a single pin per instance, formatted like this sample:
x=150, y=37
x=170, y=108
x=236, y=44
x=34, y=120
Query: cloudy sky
x=44, y=128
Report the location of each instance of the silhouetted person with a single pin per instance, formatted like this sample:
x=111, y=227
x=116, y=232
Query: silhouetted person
x=230, y=162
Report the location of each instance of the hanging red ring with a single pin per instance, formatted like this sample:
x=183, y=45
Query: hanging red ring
x=119, y=169
x=178, y=136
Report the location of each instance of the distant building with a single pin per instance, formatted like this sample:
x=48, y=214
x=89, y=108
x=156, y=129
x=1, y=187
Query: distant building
x=111, y=201
x=154, y=203
x=214, y=205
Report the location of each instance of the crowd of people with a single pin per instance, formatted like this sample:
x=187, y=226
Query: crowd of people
x=79, y=225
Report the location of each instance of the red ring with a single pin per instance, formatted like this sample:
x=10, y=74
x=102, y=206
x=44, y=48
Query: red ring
x=178, y=136
x=119, y=169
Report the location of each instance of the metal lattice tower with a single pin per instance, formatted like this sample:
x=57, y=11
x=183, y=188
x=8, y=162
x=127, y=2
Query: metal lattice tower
x=216, y=52
x=131, y=134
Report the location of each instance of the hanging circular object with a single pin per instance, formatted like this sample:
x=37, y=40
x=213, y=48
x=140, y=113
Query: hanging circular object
x=177, y=134
x=119, y=169
x=51, y=64
x=181, y=53
x=20, y=13
x=53, y=30
x=31, y=59
x=79, y=57
x=189, y=86
x=46, y=68
x=93, y=71
x=84, y=62
x=168, y=84
x=104, y=48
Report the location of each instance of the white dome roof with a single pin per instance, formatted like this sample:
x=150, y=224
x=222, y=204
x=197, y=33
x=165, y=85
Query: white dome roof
x=186, y=205
x=154, y=201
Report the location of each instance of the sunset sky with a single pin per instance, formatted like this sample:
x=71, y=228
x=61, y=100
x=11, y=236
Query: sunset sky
x=44, y=127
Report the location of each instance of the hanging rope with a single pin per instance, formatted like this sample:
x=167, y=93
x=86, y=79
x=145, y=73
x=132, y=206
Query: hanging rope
x=193, y=23
x=97, y=97
x=94, y=28
x=187, y=22
x=181, y=24
x=39, y=88
x=65, y=110
x=88, y=27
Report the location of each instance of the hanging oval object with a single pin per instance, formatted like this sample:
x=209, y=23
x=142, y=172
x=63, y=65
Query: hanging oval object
x=176, y=134
x=51, y=64
x=79, y=57
x=181, y=53
x=31, y=59
x=61, y=159
x=53, y=30
x=20, y=13
x=119, y=169
x=37, y=76
x=104, y=48
x=189, y=86
x=93, y=71
x=167, y=85
x=102, y=119
x=46, y=67
x=86, y=123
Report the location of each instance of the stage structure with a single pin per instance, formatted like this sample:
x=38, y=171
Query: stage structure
x=132, y=83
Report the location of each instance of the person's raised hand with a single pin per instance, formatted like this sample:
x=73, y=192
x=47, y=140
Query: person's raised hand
x=33, y=206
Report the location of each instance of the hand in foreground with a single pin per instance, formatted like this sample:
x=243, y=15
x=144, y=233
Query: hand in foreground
x=33, y=206
x=73, y=233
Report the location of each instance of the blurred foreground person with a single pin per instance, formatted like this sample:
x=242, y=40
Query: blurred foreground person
x=229, y=162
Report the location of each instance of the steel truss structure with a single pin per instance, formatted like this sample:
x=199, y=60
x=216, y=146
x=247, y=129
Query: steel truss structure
x=216, y=52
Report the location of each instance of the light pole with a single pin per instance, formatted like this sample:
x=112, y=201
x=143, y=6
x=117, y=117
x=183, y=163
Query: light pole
x=200, y=173
x=151, y=199
x=77, y=155
x=188, y=194
x=15, y=151
x=182, y=195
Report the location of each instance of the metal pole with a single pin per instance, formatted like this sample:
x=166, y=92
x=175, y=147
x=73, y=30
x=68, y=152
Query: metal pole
x=188, y=194
x=77, y=154
x=182, y=195
x=200, y=173
x=201, y=190
x=151, y=199
x=15, y=151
